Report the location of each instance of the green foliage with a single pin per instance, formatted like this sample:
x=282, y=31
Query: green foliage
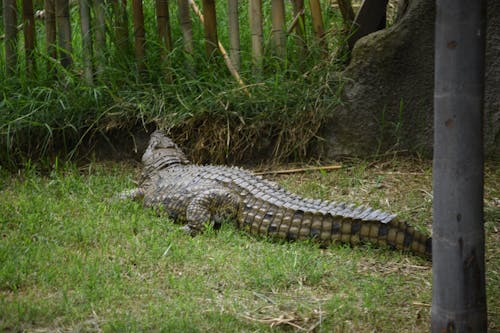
x=57, y=111
x=288, y=113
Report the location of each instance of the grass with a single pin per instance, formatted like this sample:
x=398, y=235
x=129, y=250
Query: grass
x=37, y=120
x=74, y=259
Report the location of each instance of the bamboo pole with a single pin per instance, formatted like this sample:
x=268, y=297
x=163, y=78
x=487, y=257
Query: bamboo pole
x=165, y=34
x=222, y=50
x=317, y=22
x=64, y=32
x=459, y=302
x=122, y=37
x=10, y=27
x=234, y=33
x=86, y=41
x=186, y=28
x=100, y=35
x=278, y=26
x=50, y=33
x=299, y=24
x=255, y=17
x=163, y=18
x=210, y=26
x=139, y=35
x=29, y=36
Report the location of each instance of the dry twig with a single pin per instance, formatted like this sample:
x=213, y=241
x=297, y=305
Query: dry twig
x=294, y=21
x=281, y=320
x=297, y=170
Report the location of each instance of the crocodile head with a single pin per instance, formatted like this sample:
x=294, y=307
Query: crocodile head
x=161, y=153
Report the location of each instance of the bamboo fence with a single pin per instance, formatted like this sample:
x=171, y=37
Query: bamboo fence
x=139, y=34
x=63, y=26
x=10, y=28
x=234, y=33
x=86, y=40
x=50, y=33
x=95, y=33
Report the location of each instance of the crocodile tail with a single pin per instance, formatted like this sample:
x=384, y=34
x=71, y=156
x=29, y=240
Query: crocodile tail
x=406, y=238
x=327, y=226
x=393, y=233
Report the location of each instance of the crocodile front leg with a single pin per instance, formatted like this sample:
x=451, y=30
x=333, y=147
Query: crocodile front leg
x=134, y=194
x=211, y=206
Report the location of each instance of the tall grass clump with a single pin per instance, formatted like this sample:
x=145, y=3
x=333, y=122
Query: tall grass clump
x=278, y=112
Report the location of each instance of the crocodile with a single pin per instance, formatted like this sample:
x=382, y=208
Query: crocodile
x=197, y=195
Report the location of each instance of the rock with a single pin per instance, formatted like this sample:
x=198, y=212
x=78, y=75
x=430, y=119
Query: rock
x=389, y=86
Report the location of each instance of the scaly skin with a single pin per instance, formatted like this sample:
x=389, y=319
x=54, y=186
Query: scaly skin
x=196, y=195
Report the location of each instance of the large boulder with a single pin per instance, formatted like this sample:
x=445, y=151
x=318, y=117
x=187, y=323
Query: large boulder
x=389, y=86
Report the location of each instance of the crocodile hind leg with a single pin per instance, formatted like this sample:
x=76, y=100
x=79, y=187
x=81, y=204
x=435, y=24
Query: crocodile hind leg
x=211, y=206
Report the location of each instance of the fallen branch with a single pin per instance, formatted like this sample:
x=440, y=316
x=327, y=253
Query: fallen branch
x=398, y=173
x=222, y=50
x=297, y=170
x=426, y=305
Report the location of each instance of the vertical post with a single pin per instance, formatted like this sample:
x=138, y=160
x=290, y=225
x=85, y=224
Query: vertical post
x=278, y=26
x=86, y=41
x=210, y=27
x=10, y=26
x=255, y=13
x=165, y=34
x=64, y=32
x=121, y=26
x=186, y=28
x=234, y=33
x=100, y=34
x=298, y=10
x=50, y=33
x=458, y=295
x=317, y=22
x=139, y=34
x=163, y=18
x=29, y=36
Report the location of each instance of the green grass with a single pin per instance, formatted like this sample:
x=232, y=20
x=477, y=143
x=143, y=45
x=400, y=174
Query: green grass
x=36, y=121
x=74, y=258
